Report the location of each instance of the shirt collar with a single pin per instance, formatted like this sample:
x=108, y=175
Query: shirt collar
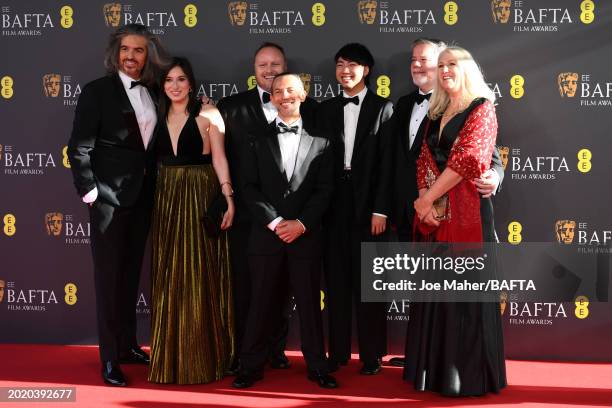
x=126, y=80
x=360, y=95
x=423, y=93
x=297, y=123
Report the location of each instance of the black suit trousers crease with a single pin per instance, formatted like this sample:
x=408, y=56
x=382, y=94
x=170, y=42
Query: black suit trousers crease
x=342, y=254
x=269, y=273
x=118, y=240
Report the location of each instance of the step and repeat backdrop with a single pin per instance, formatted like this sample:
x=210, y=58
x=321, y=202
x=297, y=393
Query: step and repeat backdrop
x=548, y=62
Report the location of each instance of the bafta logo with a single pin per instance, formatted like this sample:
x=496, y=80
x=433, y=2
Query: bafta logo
x=503, y=301
x=112, y=14
x=2, y=285
x=53, y=222
x=568, y=83
x=51, y=85
x=500, y=10
x=565, y=231
x=367, y=11
x=503, y=152
x=237, y=12
x=306, y=81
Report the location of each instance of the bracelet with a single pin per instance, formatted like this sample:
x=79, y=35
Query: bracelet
x=231, y=193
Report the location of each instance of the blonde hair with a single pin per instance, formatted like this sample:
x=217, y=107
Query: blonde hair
x=473, y=83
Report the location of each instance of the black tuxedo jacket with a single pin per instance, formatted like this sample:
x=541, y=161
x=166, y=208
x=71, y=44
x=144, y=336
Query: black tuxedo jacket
x=372, y=159
x=245, y=118
x=106, y=149
x=405, y=184
x=269, y=194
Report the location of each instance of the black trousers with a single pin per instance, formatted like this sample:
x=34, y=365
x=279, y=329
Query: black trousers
x=269, y=274
x=342, y=255
x=241, y=286
x=118, y=239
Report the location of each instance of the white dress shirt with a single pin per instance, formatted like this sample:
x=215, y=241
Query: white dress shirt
x=419, y=111
x=351, y=116
x=289, y=143
x=146, y=116
x=269, y=110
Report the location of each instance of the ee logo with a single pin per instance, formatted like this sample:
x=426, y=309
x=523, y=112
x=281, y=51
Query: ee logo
x=7, y=87
x=382, y=83
x=251, y=82
x=514, y=233
x=516, y=86
x=71, y=298
x=66, y=13
x=65, y=160
x=587, y=9
x=9, y=225
x=190, y=15
x=584, y=160
x=450, y=13
x=318, y=14
x=322, y=300
x=582, y=307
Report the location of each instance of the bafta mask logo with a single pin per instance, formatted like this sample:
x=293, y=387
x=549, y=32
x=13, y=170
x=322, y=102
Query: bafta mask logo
x=565, y=231
x=51, y=85
x=367, y=11
x=568, y=83
x=503, y=301
x=112, y=14
x=500, y=10
x=504, y=151
x=306, y=78
x=53, y=222
x=237, y=12
x=2, y=285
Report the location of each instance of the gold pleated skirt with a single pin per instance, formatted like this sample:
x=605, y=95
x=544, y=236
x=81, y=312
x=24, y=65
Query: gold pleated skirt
x=192, y=316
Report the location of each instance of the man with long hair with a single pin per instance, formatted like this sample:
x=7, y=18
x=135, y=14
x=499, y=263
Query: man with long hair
x=113, y=165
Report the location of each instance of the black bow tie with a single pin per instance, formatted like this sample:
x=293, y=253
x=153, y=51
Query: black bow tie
x=265, y=97
x=354, y=99
x=136, y=83
x=420, y=98
x=282, y=128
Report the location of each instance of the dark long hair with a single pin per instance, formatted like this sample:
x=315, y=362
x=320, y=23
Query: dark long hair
x=156, y=55
x=164, y=101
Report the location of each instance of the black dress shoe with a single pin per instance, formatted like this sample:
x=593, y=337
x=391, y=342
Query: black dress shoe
x=112, y=375
x=324, y=380
x=398, y=362
x=333, y=365
x=134, y=356
x=246, y=379
x=280, y=361
x=234, y=368
x=371, y=367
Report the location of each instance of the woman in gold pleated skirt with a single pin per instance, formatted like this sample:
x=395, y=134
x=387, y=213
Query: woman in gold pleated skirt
x=192, y=316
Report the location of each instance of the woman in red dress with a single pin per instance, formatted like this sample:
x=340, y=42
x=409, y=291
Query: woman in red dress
x=456, y=348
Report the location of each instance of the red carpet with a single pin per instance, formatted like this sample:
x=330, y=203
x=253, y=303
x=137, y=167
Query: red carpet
x=531, y=384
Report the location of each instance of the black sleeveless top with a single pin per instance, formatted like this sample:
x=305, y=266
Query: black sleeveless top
x=189, y=145
x=440, y=150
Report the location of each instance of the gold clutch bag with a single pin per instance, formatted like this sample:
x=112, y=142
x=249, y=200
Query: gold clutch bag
x=441, y=207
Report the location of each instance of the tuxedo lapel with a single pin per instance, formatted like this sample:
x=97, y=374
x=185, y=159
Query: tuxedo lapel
x=133, y=136
x=364, y=120
x=272, y=140
x=255, y=109
x=302, y=162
